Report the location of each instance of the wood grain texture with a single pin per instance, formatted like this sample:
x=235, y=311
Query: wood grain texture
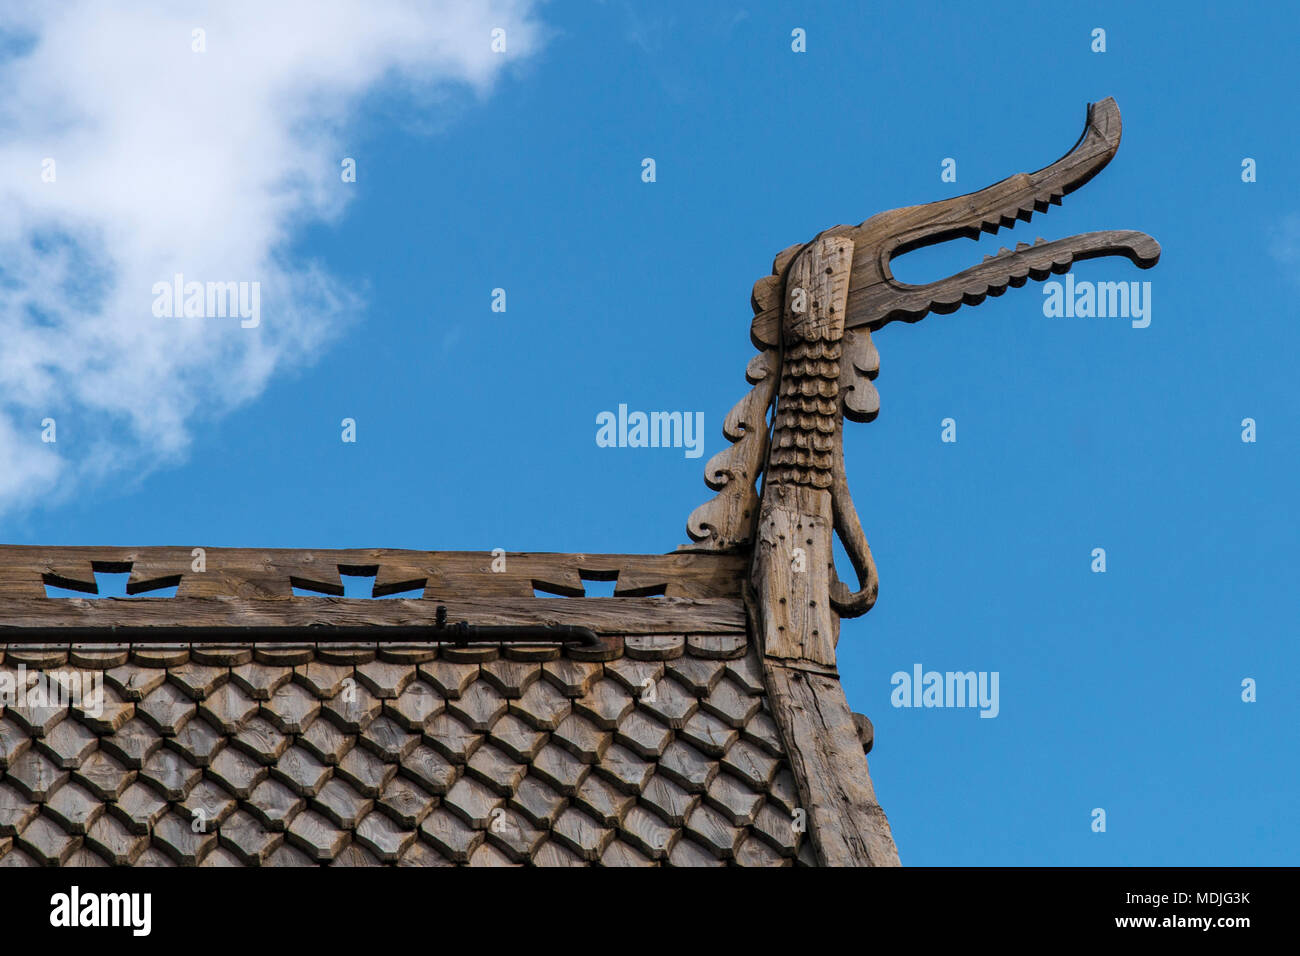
x=613, y=616
x=791, y=576
x=846, y=822
x=367, y=761
x=848, y=526
x=858, y=366
x=793, y=561
x=274, y=573
x=805, y=502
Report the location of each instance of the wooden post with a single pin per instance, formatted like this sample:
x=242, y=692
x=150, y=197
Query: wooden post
x=793, y=567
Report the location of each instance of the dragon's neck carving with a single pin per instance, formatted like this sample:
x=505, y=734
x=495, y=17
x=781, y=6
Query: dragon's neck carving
x=807, y=418
x=813, y=319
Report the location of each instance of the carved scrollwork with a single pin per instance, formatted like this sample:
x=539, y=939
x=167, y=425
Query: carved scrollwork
x=727, y=520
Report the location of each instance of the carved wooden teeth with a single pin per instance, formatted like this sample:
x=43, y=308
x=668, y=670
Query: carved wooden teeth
x=1020, y=247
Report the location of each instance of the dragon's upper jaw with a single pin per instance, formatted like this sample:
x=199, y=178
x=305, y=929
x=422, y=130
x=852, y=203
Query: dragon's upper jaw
x=876, y=297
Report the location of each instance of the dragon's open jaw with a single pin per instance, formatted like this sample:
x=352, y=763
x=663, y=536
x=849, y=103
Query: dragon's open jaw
x=876, y=297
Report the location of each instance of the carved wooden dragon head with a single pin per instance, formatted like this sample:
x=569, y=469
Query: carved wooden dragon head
x=813, y=321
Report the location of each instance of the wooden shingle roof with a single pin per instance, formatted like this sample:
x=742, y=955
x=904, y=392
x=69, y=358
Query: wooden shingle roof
x=655, y=745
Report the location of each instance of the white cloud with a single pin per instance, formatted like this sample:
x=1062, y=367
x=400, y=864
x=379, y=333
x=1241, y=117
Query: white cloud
x=167, y=161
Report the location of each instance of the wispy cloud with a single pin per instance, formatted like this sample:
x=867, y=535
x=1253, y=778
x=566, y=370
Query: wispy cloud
x=165, y=161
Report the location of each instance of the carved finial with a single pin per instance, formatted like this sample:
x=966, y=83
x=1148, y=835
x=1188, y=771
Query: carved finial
x=813, y=322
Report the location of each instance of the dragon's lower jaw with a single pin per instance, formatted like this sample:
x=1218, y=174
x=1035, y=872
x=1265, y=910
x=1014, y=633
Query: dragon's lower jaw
x=893, y=300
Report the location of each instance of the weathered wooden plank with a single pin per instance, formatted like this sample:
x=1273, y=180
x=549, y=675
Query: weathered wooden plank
x=617, y=615
x=846, y=821
x=267, y=573
x=791, y=575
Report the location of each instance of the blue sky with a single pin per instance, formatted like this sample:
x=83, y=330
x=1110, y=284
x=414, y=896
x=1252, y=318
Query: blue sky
x=476, y=429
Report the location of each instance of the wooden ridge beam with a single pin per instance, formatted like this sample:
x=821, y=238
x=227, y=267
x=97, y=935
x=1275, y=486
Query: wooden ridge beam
x=617, y=615
x=260, y=573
